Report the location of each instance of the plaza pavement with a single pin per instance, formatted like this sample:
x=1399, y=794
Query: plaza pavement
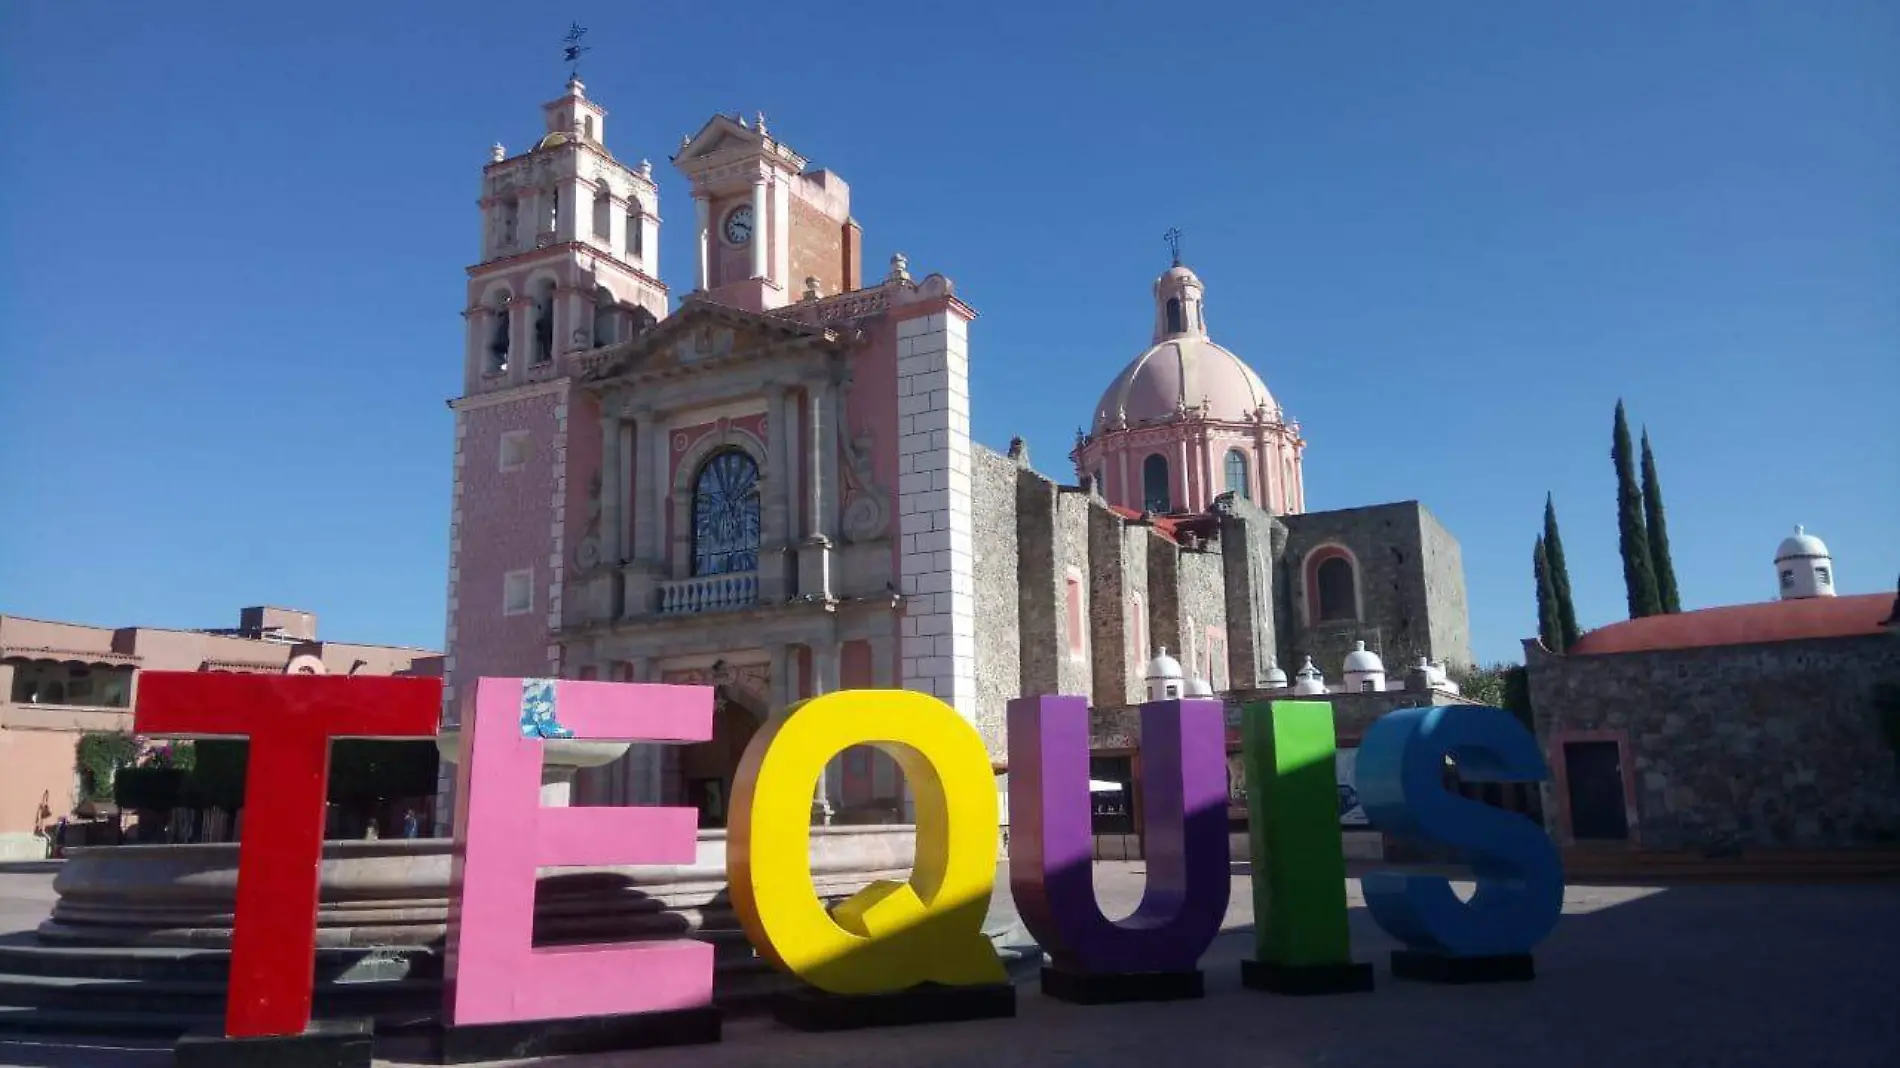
x=1634, y=977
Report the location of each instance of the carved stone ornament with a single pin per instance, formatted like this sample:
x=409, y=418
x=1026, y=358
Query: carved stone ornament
x=867, y=508
x=587, y=552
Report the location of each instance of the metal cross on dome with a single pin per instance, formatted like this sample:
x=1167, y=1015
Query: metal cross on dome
x=1173, y=237
x=573, y=50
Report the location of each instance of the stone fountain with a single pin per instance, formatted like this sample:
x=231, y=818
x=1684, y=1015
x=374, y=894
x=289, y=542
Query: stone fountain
x=160, y=915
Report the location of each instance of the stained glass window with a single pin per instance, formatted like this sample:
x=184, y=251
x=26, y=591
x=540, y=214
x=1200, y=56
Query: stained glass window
x=726, y=515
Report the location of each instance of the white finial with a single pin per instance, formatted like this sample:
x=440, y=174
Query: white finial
x=646, y=169
x=1799, y=530
x=759, y=121
x=900, y=269
x=496, y=153
x=813, y=288
x=741, y=120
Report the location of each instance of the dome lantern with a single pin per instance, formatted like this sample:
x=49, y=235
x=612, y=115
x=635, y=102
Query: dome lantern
x=1804, y=567
x=1365, y=672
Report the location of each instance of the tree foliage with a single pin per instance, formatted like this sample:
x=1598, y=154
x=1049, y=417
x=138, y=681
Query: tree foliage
x=1639, y=574
x=1656, y=527
x=98, y=757
x=1549, y=630
x=1559, y=569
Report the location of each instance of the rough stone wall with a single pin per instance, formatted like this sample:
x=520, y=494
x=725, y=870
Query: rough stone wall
x=1246, y=559
x=1037, y=580
x=1164, y=596
x=1202, y=592
x=1075, y=673
x=1751, y=745
x=994, y=552
x=1447, y=612
x=1116, y=673
x=1385, y=541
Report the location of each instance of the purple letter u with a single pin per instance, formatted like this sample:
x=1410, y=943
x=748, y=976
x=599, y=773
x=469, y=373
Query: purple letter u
x=1184, y=840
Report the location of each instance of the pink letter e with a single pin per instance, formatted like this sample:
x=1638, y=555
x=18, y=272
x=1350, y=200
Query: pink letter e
x=493, y=972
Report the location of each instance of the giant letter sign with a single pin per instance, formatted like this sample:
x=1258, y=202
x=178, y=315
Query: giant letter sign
x=890, y=936
x=1302, y=943
x=1519, y=874
x=494, y=974
x=290, y=721
x=1154, y=954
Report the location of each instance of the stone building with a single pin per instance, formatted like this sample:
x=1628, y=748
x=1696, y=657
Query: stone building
x=772, y=488
x=60, y=681
x=1739, y=727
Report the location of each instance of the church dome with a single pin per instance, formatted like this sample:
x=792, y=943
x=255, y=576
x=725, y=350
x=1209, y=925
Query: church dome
x=1198, y=687
x=1182, y=369
x=1164, y=666
x=1363, y=659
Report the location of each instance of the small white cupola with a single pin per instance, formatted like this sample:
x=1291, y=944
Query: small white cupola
x=1365, y=672
x=1165, y=679
x=1308, y=681
x=1804, y=567
x=1198, y=687
x=1276, y=677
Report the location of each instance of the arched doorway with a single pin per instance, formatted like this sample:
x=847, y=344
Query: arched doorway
x=706, y=769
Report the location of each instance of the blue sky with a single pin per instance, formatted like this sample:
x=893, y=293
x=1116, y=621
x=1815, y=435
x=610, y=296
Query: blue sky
x=1448, y=235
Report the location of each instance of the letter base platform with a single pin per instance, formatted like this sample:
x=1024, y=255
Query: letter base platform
x=816, y=1010
x=325, y=1044
x=1426, y=966
x=1304, y=979
x=471, y=1043
x=1107, y=988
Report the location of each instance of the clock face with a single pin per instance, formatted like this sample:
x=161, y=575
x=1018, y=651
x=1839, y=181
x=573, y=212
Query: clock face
x=738, y=226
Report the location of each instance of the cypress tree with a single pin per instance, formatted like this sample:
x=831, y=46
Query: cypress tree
x=1549, y=630
x=1639, y=574
x=1559, y=575
x=1658, y=529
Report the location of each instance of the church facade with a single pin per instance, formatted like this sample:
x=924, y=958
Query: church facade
x=772, y=488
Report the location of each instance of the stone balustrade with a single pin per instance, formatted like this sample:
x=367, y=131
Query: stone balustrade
x=709, y=593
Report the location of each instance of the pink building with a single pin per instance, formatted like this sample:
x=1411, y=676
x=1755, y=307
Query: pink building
x=60, y=681
x=772, y=488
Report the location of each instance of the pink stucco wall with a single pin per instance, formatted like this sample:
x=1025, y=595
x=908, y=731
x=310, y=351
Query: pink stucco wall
x=506, y=525
x=872, y=410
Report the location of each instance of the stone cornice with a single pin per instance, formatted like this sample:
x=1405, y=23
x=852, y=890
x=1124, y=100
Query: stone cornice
x=495, y=266
x=526, y=391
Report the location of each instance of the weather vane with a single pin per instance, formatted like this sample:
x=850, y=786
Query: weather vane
x=1173, y=237
x=573, y=49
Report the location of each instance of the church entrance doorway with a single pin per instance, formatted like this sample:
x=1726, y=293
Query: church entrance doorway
x=706, y=769
x=1593, y=773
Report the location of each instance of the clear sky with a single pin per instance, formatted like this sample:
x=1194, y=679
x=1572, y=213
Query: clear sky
x=1449, y=236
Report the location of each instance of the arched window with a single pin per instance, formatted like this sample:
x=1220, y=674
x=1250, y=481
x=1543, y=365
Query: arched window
x=636, y=241
x=554, y=209
x=1174, y=315
x=603, y=214
x=543, y=324
x=726, y=514
x=603, y=317
x=498, y=339
x=587, y=127
x=1237, y=475
x=1337, y=597
x=510, y=215
x=1154, y=483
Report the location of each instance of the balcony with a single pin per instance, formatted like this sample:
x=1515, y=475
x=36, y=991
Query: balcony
x=709, y=593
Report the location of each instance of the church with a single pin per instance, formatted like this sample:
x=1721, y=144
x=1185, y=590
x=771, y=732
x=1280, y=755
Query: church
x=771, y=487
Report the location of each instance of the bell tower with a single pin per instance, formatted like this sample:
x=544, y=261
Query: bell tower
x=570, y=250
x=769, y=232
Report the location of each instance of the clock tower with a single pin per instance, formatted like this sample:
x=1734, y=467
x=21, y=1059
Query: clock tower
x=768, y=232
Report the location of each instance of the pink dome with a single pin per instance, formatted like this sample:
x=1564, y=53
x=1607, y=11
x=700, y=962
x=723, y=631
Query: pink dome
x=1181, y=373
x=1183, y=369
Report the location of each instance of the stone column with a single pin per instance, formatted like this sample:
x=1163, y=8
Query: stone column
x=520, y=333
x=646, y=455
x=702, y=211
x=649, y=244
x=786, y=438
x=759, y=242
x=612, y=486
x=774, y=584
x=1178, y=493
x=817, y=431
x=826, y=668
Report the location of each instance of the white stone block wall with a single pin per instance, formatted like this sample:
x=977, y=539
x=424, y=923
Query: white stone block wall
x=935, y=559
